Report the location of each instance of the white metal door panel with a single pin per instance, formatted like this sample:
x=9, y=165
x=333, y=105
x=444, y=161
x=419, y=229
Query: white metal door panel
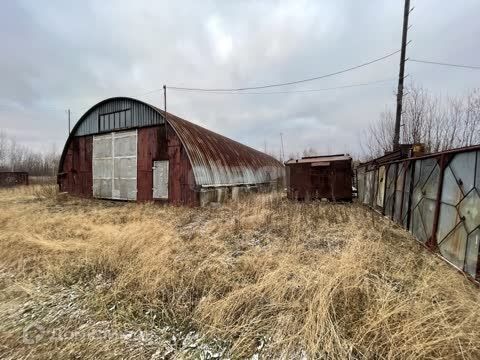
x=115, y=166
x=102, y=166
x=125, y=165
x=160, y=179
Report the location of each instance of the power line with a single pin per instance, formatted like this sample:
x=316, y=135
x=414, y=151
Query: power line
x=281, y=84
x=293, y=91
x=233, y=90
x=445, y=64
x=81, y=111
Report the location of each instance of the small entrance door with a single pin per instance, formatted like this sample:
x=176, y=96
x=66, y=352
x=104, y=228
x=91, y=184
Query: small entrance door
x=160, y=179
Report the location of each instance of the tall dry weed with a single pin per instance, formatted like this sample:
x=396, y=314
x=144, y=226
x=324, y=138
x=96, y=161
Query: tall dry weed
x=317, y=280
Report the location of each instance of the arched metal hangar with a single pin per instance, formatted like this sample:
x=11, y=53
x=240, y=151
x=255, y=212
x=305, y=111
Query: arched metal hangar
x=125, y=149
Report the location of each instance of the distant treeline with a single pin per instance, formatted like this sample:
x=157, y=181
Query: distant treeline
x=17, y=157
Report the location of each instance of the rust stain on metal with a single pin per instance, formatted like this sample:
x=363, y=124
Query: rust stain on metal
x=76, y=173
x=219, y=161
x=199, y=159
x=449, y=232
x=147, y=152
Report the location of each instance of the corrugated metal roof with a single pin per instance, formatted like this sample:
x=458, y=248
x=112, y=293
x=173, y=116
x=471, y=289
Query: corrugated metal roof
x=323, y=158
x=217, y=160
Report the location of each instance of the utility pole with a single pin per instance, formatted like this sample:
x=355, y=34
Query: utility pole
x=401, y=76
x=165, y=100
x=165, y=111
x=68, y=112
x=282, y=153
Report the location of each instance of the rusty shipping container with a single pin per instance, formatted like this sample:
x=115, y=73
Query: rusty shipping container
x=125, y=149
x=320, y=177
x=13, y=178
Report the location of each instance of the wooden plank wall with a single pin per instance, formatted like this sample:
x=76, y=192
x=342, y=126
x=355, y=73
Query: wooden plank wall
x=153, y=144
x=78, y=167
x=181, y=187
x=149, y=149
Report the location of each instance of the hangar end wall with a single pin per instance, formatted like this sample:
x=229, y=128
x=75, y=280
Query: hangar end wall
x=154, y=144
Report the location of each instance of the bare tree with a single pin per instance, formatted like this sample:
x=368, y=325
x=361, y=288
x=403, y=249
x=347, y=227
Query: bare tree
x=438, y=123
x=17, y=157
x=293, y=155
x=309, y=152
x=379, y=135
x=3, y=149
x=472, y=119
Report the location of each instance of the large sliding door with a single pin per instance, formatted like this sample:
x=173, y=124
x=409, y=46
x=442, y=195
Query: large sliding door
x=102, y=166
x=115, y=165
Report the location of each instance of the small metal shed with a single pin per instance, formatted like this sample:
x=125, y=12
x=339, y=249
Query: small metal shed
x=320, y=177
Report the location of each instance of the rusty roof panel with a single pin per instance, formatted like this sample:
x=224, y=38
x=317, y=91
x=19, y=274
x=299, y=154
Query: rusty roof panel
x=219, y=161
x=315, y=159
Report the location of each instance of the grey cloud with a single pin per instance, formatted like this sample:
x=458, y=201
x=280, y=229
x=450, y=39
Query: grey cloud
x=59, y=55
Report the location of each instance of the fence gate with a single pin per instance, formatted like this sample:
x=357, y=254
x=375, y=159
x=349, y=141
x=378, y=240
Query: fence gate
x=115, y=166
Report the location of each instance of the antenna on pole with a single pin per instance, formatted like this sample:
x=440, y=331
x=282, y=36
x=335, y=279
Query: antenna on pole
x=401, y=76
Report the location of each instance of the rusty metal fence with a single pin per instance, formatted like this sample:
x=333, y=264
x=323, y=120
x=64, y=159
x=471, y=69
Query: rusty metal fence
x=436, y=197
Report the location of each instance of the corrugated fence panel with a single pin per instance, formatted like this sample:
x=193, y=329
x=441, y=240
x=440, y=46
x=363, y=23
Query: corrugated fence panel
x=436, y=197
x=424, y=197
x=458, y=232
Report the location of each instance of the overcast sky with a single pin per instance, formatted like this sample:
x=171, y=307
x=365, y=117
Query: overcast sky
x=64, y=54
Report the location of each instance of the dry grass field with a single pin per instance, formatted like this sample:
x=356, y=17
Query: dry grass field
x=260, y=278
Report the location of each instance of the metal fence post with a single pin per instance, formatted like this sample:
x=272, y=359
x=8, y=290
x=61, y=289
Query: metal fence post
x=410, y=192
x=432, y=241
x=404, y=168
